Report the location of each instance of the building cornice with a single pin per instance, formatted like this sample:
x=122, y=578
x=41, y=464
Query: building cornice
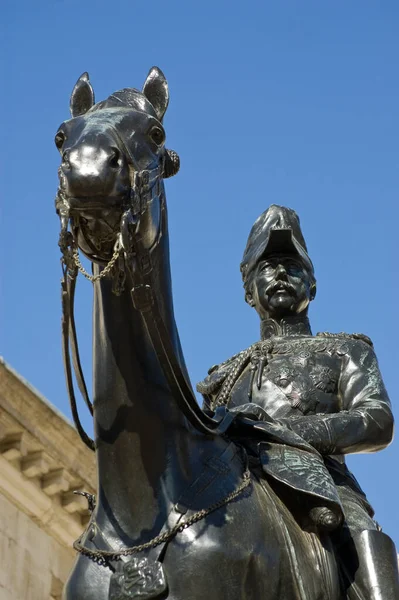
x=42, y=460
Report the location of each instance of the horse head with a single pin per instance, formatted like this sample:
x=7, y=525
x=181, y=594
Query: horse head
x=112, y=206
x=113, y=162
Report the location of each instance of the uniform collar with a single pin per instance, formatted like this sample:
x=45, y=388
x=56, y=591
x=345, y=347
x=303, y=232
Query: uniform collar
x=296, y=325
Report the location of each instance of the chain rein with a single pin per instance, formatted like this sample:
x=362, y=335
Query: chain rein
x=108, y=267
x=102, y=557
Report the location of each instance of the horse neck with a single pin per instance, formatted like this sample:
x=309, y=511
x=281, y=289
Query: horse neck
x=141, y=436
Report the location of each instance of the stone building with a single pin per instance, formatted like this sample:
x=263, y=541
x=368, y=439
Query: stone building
x=42, y=461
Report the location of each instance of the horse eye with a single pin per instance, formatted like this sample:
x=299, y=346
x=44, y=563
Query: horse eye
x=60, y=139
x=157, y=136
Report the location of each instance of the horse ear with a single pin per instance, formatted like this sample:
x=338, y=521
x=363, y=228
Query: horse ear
x=82, y=97
x=156, y=90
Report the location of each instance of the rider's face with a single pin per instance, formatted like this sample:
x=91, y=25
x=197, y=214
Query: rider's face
x=282, y=286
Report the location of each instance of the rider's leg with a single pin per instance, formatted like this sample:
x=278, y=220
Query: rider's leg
x=368, y=556
x=371, y=565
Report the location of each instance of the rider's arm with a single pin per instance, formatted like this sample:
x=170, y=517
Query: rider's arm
x=365, y=422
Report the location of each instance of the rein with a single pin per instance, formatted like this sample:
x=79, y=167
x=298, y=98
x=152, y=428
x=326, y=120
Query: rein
x=104, y=557
x=144, y=183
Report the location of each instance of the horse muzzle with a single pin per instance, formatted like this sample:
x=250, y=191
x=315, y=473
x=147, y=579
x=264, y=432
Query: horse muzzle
x=93, y=177
x=95, y=204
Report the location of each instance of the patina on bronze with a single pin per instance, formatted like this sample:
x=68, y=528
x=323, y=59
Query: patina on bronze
x=327, y=389
x=177, y=515
x=138, y=578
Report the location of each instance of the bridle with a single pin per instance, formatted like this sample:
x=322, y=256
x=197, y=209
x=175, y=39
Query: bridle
x=145, y=186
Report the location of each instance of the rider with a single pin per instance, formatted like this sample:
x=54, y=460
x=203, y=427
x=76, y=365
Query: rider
x=327, y=389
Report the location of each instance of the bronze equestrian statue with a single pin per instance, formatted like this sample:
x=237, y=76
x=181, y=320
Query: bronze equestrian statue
x=178, y=514
x=326, y=388
x=183, y=508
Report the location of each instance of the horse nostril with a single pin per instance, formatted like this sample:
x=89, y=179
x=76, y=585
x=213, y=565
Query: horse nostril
x=113, y=160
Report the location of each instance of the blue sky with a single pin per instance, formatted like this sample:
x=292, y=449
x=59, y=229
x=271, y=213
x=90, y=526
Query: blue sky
x=284, y=102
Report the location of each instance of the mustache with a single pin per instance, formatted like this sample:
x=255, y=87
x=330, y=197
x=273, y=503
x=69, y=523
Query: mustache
x=280, y=285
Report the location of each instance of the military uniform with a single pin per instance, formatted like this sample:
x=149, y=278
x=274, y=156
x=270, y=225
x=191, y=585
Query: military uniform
x=319, y=397
x=326, y=388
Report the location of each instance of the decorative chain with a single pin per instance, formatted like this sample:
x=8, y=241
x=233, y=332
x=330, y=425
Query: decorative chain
x=103, y=556
x=106, y=269
x=224, y=395
x=257, y=355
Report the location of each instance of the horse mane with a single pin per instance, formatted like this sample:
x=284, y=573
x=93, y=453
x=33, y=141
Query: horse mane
x=128, y=98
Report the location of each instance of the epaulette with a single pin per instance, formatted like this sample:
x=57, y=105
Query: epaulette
x=354, y=336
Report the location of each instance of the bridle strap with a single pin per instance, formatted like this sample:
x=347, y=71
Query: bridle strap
x=145, y=302
x=174, y=375
x=77, y=367
x=68, y=285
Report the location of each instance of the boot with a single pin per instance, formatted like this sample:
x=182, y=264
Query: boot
x=370, y=564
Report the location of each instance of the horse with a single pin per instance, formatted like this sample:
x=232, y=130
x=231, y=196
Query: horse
x=178, y=514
